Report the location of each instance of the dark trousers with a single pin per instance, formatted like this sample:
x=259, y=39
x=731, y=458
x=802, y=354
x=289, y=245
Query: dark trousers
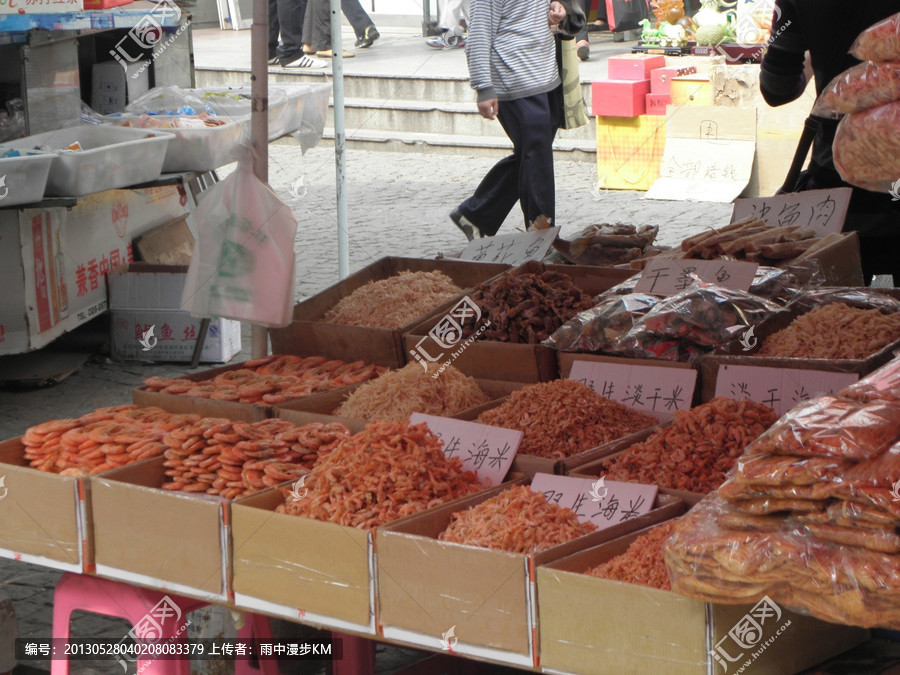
x=357, y=16
x=526, y=175
x=290, y=23
x=273, y=28
x=601, y=15
x=317, y=23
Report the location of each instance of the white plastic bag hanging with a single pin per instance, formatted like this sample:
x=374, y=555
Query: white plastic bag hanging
x=243, y=262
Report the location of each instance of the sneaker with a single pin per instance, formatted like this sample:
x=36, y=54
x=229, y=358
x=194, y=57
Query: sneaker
x=368, y=37
x=327, y=54
x=272, y=60
x=305, y=62
x=583, y=49
x=467, y=226
x=446, y=40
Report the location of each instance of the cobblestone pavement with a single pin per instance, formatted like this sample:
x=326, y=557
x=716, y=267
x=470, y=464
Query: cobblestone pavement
x=398, y=205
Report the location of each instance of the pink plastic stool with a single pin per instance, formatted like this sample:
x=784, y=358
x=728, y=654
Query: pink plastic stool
x=144, y=608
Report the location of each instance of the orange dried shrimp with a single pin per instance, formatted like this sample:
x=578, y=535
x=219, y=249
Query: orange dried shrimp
x=517, y=520
x=642, y=563
x=564, y=417
x=100, y=440
x=271, y=380
x=387, y=471
x=235, y=459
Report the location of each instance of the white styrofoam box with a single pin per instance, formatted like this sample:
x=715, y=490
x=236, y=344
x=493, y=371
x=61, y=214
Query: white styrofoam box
x=201, y=148
x=24, y=178
x=113, y=87
x=174, y=335
x=147, y=286
x=111, y=157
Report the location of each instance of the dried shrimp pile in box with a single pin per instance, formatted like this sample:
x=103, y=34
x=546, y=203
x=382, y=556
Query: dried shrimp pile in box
x=101, y=440
x=271, y=380
x=395, y=301
x=834, y=331
x=235, y=459
x=399, y=393
x=517, y=520
x=642, y=563
x=387, y=471
x=696, y=450
x=810, y=515
x=562, y=418
x=866, y=147
x=525, y=305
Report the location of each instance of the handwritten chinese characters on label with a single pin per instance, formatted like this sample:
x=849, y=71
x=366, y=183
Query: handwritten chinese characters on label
x=822, y=210
x=779, y=388
x=657, y=390
x=482, y=448
x=598, y=501
x=511, y=249
x=664, y=276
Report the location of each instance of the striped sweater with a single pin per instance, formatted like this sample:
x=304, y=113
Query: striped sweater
x=510, y=49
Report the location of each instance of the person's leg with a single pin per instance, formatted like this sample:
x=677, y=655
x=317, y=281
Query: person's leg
x=273, y=29
x=357, y=17
x=494, y=197
x=290, y=23
x=532, y=123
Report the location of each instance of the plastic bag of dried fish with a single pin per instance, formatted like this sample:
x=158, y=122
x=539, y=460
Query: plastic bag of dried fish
x=600, y=327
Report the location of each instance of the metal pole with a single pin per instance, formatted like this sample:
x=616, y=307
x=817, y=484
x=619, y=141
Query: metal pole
x=259, y=126
x=337, y=72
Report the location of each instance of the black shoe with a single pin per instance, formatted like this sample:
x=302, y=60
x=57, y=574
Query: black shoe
x=467, y=226
x=368, y=37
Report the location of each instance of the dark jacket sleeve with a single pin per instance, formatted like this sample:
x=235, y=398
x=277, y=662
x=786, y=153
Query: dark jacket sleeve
x=781, y=78
x=575, y=20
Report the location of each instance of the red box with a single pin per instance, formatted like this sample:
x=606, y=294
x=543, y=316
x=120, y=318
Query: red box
x=656, y=103
x=661, y=78
x=105, y=4
x=634, y=66
x=619, y=98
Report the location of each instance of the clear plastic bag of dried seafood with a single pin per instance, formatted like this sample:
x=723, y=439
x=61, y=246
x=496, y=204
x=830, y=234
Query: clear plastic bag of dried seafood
x=600, y=327
x=701, y=317
x=861, y=298
x=784, y=284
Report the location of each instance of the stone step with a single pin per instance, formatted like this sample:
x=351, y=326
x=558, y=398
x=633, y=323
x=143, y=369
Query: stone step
x=479, y=146
x=418, y=116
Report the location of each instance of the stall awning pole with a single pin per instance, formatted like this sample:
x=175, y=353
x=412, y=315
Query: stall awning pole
x=337, y=71
x=259, y=125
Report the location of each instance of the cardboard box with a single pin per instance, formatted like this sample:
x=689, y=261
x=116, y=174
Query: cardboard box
x=634, y=66
x=114, y=86
x=839, y=260
x=661, y=78
x=174, y=541
x=169, y=244
x=492, y=360
x=424, y=585
x=144, y=297
x=629, y=151
x=321, y=407
x=691, y=90
x=639, y=629
x=374, y=345
x=44, y=517
x=619, y=98
x=735, y=354
x=656, y=103
x=54, y=261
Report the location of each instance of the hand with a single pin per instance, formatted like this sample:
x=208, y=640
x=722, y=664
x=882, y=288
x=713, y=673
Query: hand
x=557, y=14
x=488, y=108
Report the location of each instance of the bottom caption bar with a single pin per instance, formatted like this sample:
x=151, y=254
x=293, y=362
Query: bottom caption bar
x=142, y=649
